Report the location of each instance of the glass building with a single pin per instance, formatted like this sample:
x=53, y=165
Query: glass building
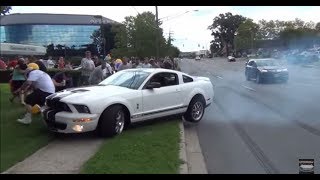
x=44, y=29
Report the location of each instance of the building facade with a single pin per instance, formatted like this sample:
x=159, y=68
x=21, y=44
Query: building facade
x=44, y=29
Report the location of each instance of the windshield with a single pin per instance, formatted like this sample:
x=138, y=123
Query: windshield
x=128, y=79
x=267, y=63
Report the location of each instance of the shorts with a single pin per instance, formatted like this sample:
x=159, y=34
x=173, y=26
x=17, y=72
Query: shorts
x=16, y=84
x=37, y=97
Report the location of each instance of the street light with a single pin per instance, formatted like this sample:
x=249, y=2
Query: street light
x=102, y=33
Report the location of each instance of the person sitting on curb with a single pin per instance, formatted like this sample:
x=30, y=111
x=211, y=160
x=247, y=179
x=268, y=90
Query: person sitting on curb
x=43, y=87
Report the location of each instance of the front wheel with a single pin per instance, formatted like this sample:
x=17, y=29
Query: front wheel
x=258, y=78
x=112, y=121
x=247, y=76
x=195, y=110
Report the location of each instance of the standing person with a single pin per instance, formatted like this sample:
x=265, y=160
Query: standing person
x=68, y=66
x=117, y=64
x=2, y=64
x=60, y=81
x=95, y=60
x=43, y=87
x=146, y=63
x=50, y=63
x=125, y=64
x=17, y=80
x=41, y=65
x=153, y=64
x=97, y=75
x=167, y=64
x=108, y=71
x=61, y=63
x=87, y=66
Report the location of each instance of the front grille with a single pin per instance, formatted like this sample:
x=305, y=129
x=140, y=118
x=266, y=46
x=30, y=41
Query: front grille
x=56, y=125
x=49, y=118
x=57, y=105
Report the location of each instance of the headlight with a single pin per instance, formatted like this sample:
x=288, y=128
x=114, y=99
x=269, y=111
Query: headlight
x=82, y=108
x=263, y=70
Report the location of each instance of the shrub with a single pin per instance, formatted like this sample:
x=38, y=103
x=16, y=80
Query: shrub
x=5, y=75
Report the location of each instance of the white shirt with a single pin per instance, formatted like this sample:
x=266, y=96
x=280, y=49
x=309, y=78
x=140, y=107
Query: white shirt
x=50, y=63
x=107, y=70
x=41, y=81
x=87, y=67
x=146, y=65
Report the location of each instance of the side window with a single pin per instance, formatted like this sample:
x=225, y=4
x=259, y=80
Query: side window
x=165, y=79
x=250, y=63
x=254, y=64
x=186, y=79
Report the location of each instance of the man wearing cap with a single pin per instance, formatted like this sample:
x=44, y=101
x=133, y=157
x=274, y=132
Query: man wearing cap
x=42, y=85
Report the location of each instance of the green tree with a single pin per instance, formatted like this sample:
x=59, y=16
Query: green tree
x=224, y=28
x=108, y=35
x=246, y=35
x=4, y=10
x=318, y=27
x=136, y=37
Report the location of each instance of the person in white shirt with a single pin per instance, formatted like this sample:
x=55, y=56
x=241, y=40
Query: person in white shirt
x=87, y=67
x=50, y=63
x=125, y=64
x=146, y=63
x=43, y=86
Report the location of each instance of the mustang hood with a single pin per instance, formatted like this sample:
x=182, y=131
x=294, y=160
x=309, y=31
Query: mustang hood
x=89, y=93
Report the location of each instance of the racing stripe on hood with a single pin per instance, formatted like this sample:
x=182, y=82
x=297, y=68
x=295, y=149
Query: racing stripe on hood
x=66, y=93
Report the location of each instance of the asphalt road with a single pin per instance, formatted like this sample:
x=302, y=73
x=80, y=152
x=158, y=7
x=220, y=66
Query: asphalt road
x=258, y=128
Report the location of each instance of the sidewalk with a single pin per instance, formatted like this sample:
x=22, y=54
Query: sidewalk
x=65, y=155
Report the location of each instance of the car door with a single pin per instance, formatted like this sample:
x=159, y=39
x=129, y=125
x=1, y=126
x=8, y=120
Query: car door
x=250, y=69
x=162, y=101
x=254, y=70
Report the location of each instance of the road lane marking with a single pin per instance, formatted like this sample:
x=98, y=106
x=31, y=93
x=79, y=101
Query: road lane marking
x=304, y=84
x=251, y=89
x=219, y=77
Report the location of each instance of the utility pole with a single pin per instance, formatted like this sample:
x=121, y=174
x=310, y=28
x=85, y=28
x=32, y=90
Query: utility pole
x=157, y=34
x=170, y=37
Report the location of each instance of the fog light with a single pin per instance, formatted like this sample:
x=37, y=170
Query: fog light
x=77, y=128
x=82, y=120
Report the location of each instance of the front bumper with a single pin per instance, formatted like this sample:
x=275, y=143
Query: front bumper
x=268, y=76
x=63, y=122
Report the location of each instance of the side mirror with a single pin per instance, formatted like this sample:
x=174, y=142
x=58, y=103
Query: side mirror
x=153, y=85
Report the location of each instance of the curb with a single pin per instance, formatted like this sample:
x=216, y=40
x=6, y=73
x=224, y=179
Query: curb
x=190, y=150
x=183, y=151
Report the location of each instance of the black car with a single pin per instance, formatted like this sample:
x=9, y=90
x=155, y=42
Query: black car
x=265, y=70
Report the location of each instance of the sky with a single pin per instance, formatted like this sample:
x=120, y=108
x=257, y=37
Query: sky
x=189, y=28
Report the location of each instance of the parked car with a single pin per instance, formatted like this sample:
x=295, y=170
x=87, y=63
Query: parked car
x=126, y=97
x=198, y=58
x=265, y=69
x=231, y=59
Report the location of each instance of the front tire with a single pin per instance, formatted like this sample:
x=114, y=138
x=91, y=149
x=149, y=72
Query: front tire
x=195, y=110
x=247, y=76
x=112, y=121
x=258, y=79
